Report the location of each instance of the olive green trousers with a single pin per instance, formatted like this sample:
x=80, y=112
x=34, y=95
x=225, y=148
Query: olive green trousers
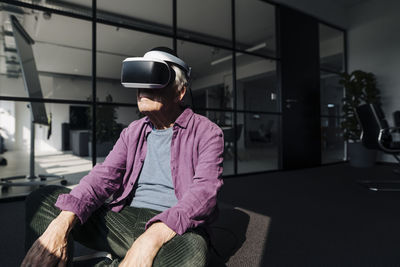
x=112, y=232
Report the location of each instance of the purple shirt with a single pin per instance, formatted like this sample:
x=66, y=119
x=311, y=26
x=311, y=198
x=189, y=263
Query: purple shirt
x=196, y=166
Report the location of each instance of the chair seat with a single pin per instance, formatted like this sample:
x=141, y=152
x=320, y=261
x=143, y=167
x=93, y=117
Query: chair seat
x=394, y=145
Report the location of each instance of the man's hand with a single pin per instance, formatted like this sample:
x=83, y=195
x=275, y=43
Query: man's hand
x=146, y=247
x=50, y=249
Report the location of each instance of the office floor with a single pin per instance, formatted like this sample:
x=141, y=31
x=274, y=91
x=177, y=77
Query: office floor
x=252, y=159
x=316, y=217
x=73, y=167
x=322, y=216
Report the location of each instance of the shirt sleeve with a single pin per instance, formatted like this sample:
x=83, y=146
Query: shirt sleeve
x=200, y=200
x=101, y=182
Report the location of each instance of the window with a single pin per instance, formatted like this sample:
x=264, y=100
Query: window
x=331, y=93
x=243, y=99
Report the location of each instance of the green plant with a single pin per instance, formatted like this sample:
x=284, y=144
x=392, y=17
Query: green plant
x=107, y=128
x=360, y=87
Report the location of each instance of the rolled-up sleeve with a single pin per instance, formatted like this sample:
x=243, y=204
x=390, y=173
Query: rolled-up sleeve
x=101, y=182
x=199, y=201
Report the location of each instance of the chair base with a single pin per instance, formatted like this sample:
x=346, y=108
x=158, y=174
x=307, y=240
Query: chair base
x=382, y=186
x=396, y=171
x=99, y=254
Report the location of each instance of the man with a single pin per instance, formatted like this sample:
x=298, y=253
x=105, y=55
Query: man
x=160, y=181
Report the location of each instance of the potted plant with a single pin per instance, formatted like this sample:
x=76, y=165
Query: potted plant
x=107, y=128
x=360, y=88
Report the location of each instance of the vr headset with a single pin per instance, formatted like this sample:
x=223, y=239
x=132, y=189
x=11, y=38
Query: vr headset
x=152, y=71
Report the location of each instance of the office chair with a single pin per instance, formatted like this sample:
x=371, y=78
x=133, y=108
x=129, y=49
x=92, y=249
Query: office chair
x=376, y=134
x=229, y=138
x=396, y=118
x=3, y=161
x=262, y=134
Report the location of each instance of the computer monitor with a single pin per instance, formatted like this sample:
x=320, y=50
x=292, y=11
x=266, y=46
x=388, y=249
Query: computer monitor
x=29, y=72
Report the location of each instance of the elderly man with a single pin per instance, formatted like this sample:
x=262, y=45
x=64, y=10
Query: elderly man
x=149, y=202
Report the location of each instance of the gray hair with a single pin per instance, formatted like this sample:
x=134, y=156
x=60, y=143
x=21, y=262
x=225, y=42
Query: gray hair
x=180, y=77
x=181, y=80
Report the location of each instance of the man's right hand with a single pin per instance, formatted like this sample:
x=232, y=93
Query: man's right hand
x=50, y=249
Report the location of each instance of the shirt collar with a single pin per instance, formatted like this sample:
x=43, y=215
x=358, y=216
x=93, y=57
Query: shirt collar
x=182, y=121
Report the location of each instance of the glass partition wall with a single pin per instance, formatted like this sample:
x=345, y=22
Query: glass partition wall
x=332, y=63
x=233, y=51
x=62, y=56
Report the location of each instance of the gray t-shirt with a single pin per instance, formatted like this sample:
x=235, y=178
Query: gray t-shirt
x=154, y=188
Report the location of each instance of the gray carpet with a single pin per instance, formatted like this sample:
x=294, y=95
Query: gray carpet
x=321, y=217
x=12, y=233
x=312, y=217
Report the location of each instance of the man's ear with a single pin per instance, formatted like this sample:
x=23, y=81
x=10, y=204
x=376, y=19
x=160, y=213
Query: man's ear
x=182, y=92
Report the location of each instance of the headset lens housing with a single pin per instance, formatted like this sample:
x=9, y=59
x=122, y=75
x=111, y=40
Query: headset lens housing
x=142, y=73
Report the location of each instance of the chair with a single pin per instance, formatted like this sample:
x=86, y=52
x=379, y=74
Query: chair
x=376, y=134
x=3, y=161
x=263, y=134
x=229, y=137
x=396, y=118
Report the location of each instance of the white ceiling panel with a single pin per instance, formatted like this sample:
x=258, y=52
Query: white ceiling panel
x=86, y=3
x=255, y=22
x=127, y=42
x=58, y=29
x=109, y=66
x=58, y=59
x=199, y=57
x=157, y=11
x=207, y=17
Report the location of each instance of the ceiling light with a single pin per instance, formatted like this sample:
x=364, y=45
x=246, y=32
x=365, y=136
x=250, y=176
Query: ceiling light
x=250, y=49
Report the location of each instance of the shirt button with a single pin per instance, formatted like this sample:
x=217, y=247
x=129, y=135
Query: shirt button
x=141, y=160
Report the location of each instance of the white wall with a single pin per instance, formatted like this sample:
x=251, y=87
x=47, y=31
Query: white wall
x=374, y=46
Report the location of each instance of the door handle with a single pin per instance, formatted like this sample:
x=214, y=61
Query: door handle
x=289, y=102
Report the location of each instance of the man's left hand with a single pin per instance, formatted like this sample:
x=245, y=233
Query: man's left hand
x=146, y=246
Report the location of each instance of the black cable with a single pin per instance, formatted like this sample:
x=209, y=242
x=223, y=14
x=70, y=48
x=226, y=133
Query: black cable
x=191, y=99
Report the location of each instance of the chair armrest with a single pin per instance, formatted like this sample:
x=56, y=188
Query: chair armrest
x=391, y=130
x=388, y=145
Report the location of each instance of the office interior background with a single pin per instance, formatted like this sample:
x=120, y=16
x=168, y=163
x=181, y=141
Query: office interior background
x=267, y=72
x=233, y=50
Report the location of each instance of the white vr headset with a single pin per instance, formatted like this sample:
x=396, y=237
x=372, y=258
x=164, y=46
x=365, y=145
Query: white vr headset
x=152, y=71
